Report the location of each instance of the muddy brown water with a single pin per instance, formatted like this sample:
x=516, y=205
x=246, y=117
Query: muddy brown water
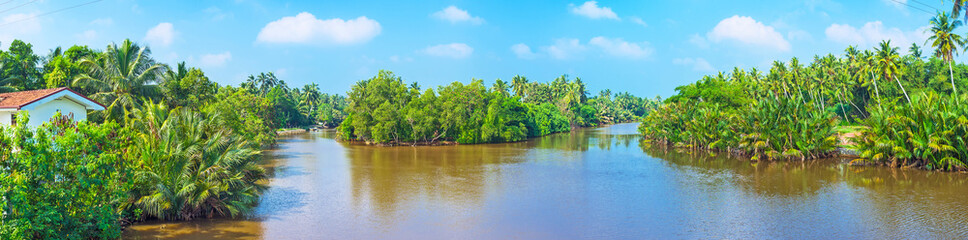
x=588, y=184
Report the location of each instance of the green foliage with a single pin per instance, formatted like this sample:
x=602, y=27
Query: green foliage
x=187, y=87
x=60, y=181
x=929, y=132
x=246, y=114
x=186, y=165
x=384, y=110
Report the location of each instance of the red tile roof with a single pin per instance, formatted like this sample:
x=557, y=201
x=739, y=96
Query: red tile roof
x=23, y=98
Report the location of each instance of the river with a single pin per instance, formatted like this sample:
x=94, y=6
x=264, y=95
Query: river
x=587, y=184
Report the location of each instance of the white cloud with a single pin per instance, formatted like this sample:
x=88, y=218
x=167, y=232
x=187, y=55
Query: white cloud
x=523, y=51
x=699, y=41
x=638, y=21
x=453, y=50
x=572, y=48
x=620, y=48
x=590, y=9
x=697, y=64
x=873, y=33
x=307, y=29
x=456, y=15
x=565, y=48
x=748, y=31
x=215, y=60
x=103, y=22
x=161, y=35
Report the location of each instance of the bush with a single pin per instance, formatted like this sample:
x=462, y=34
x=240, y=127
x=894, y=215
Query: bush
x=929, y=132
x=60, y=181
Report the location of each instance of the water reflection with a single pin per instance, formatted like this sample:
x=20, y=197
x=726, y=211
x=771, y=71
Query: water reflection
x=587, y=184
x=886, y=202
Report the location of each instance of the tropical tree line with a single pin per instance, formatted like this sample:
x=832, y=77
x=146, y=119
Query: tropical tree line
x=171, y=144
x=384, y=110
x=907, y=108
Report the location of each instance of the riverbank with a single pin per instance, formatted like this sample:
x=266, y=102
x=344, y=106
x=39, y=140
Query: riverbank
x=290, y=131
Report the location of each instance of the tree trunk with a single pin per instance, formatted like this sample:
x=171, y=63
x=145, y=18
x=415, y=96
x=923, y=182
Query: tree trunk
x=842, y=108
x=902, y=89
x=877, y=92
x=950, y=71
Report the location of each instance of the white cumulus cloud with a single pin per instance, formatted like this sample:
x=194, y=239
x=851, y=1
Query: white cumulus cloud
x=456, y=15
x=453, y=50
x=523, y=51
x=697, y=64
x=305, y=28
x=639, y=21
x=620, y=48
x=746, y=30
x=161, y=35
x=873, y=33
x=565, y=48
x=590, y=9
x=215, y=60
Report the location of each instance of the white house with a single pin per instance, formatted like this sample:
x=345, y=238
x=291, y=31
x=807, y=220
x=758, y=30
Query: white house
x=42, y=104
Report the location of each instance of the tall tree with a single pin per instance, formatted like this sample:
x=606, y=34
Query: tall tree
x=915, y=50
x=22, y=65
x=946, y=42
x=958, y=7
x=519, y=84
x=311, y=95
x=122, y=76
x=888, y=62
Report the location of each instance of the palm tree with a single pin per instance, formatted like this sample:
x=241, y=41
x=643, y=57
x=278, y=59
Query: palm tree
x=869, y=65
x=520, y=85
x=946, y=42
x=189, y=165
x=500, y=86
x=121, y=77
x=888, y=64
x=959, y=6
x=311, y=96
x=915, y=50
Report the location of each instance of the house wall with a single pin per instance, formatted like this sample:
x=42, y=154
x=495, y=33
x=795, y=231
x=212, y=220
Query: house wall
x=5, y=117
x=44, y=112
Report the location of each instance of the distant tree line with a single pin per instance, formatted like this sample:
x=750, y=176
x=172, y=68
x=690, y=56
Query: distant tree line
x=385, y=110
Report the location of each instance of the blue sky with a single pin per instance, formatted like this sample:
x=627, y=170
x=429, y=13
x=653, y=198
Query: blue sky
x=643, y=47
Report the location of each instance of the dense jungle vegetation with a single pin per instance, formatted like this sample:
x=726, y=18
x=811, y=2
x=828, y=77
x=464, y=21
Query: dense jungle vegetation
x=384, y=110
x=171, y=144
x=905, y=109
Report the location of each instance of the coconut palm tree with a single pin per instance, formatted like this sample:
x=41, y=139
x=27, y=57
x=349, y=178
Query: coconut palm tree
x=868, y=67
x=500, y=86
x=888, y=64
x=520, y=85
x=915, y=50
x=958, y=7
x=946, y=42
x=311, y=96
x=121, y=77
